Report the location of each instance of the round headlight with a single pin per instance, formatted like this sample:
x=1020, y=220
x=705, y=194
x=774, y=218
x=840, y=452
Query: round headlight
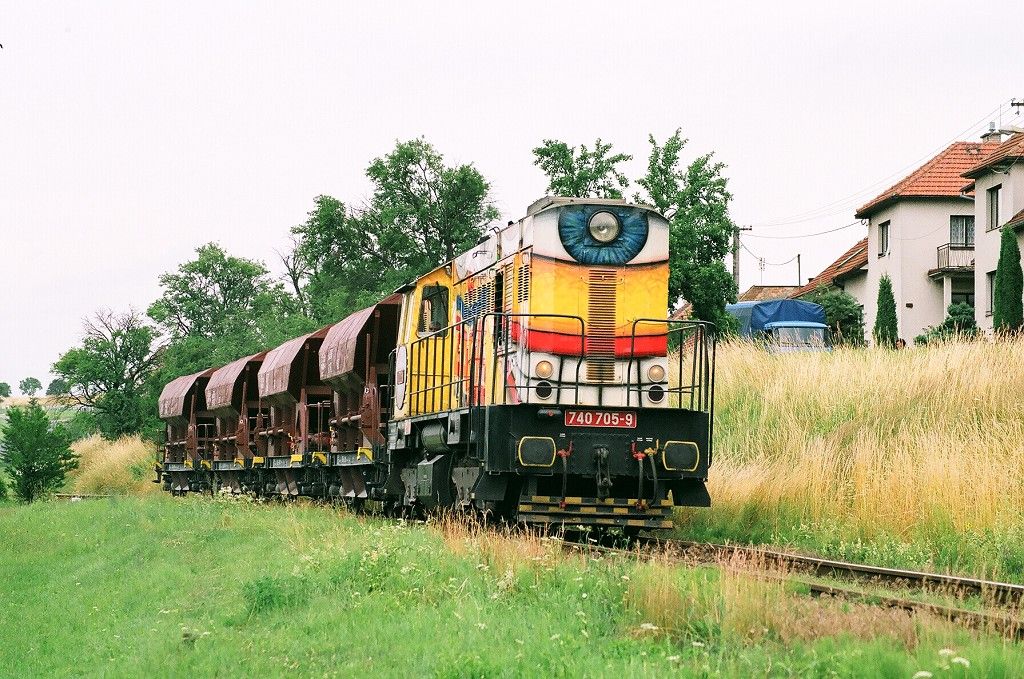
x=544, y=369
x=604, y=227
x=656, y=373
x=656, y=394
x=544, y=390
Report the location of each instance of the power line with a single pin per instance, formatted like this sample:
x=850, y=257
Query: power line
x=807, y=235
x=841, y=203
x=764, y=261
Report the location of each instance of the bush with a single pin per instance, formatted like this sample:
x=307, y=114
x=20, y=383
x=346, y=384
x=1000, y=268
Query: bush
x=958, y=324
x=843, y=314
x=36, y=453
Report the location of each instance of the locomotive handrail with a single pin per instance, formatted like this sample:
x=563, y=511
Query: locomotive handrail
x=701, y=384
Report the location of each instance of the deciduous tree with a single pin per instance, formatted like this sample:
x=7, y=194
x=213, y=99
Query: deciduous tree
x=36, y=452
x=582, y=172
x=108, y=372
x=886, y=331
x=695, y=200
x=29, y=386
x=1008, y=307
x=57, y=387
x=422, y=213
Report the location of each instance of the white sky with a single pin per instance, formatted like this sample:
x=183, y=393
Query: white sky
x=131, y=133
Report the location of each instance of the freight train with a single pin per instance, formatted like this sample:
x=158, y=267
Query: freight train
x=533, y=378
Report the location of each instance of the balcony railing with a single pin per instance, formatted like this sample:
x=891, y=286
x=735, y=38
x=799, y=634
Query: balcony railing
x=955, y=256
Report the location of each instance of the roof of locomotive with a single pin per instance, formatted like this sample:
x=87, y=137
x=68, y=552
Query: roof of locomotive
x=548, y=202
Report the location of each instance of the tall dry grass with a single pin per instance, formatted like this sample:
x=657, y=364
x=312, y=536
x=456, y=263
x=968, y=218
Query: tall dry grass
x=878, y=440
x=122, y=467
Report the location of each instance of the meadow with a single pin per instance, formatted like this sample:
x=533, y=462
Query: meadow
x=904, y=458
x=132, y=587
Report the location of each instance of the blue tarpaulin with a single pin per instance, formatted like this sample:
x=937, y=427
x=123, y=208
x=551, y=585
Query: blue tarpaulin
x=754, y=316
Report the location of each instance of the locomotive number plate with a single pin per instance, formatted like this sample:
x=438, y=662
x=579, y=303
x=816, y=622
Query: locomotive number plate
x=622, y=419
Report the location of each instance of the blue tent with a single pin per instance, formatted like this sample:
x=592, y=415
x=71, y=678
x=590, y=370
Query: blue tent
x=754, y=317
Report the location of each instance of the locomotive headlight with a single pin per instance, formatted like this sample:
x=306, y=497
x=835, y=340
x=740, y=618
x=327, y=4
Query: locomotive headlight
x=604, y=227
x=544, y=369
x=656, y=373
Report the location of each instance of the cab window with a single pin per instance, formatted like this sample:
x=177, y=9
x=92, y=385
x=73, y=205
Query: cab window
x=433, y=310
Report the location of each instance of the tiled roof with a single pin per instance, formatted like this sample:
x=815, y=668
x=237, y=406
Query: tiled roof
x=940, y=177
x=1016, y=221
x=763, y=293
x=851, y=260
x=1010, y=150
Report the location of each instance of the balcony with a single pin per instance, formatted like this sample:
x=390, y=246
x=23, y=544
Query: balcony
x=953, y=258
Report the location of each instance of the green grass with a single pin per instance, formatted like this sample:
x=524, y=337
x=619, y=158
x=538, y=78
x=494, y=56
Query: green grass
x=163, y=587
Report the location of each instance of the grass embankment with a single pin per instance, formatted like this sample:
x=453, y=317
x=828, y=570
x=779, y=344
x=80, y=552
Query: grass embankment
x=913, y=457
x=194, y=587
x=122, y=467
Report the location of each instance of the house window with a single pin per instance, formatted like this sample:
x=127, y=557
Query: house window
x=991, y=276
x=993, y=207
x=961, y=230
x=962, y=298
x=883, y=239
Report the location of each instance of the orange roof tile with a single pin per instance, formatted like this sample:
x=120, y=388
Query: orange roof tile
x=1010, y=150
x=763, y=293
x=940, y=177
x=851, y=260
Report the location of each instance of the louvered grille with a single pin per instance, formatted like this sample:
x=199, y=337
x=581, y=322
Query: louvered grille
x=523, y=283
x=599, y=347
x=478, y=301
x=507, y=293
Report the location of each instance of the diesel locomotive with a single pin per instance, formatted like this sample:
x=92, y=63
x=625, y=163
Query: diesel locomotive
x=534, y=377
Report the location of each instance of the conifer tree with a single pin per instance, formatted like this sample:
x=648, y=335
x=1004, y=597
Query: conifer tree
x=885, y=331
x=1007, y=305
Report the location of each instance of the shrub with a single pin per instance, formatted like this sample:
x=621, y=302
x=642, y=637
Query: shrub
x=843, y=314
x=958, y=324
x=36, y=452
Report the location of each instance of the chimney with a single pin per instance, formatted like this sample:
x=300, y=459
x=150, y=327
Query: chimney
x=992, y=135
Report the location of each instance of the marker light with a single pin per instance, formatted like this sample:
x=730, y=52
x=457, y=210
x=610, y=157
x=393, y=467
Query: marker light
x=656, y=373
x=544, y=369
x=604, y=227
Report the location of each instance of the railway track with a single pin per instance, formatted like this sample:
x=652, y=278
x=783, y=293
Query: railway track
x=1007, y=596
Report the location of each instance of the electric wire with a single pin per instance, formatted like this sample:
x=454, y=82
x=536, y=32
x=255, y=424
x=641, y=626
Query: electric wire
x=841, y=203
x=805, y=235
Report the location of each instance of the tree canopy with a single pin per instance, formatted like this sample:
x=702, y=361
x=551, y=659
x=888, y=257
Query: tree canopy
x=29, y=386
x=695, y=200
x=583, y=172
x=843, y=314
x=36, y=452
x=422, y=213
x=108, y=372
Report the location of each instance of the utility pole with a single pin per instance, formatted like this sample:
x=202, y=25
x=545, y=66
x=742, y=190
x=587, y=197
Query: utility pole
x=799, y=278
x=736, y=253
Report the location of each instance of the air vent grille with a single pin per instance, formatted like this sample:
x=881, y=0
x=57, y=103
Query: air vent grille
x=599, y=346
x=523, y=283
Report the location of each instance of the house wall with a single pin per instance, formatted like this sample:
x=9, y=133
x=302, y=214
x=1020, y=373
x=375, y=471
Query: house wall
x=916, y=229
x=986, y=240
x=856, y=285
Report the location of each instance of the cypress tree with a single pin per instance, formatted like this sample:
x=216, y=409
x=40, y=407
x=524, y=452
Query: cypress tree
x=885, y=331
x=1007, y=305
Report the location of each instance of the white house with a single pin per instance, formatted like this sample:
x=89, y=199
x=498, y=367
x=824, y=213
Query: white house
x=921, y=233
x=998, y=189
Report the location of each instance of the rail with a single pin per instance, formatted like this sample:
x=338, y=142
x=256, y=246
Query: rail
x=955, y=256
x=446, y=369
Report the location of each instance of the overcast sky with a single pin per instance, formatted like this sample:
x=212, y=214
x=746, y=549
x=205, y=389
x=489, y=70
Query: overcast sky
x=131, y=133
